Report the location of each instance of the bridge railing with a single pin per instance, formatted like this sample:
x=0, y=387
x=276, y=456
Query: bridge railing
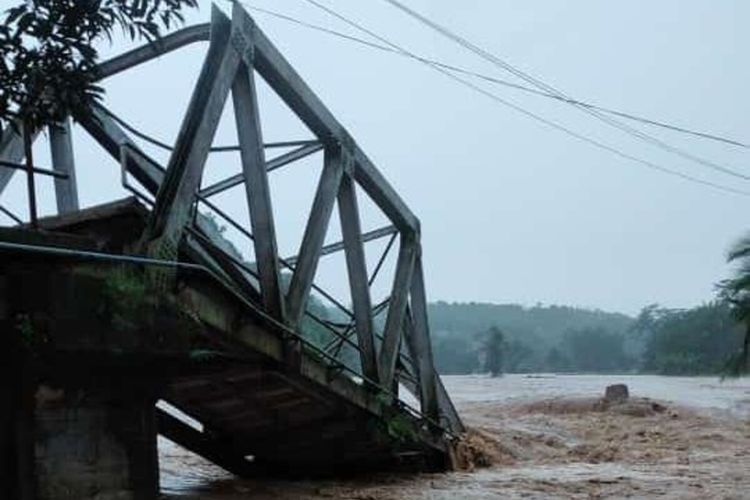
x=281, y=287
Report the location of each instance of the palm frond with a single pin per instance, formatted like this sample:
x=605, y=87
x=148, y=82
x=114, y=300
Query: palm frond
x=740, y=249
x=736, y=291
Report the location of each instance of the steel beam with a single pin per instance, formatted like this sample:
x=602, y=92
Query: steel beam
x=271, y=165
x=448, y=412
x=37, y=170
x=339, y=245
x=145, y=53
x=419, y=342
x=315, y=232
x=254, y=173
x=11, y=150
x=208, y=446
x=396, y=310
x=185, y=168
x=61, y=146
x=357, y=269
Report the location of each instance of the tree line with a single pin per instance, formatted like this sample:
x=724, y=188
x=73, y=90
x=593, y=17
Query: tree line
x=701, y=340
x=713, y=338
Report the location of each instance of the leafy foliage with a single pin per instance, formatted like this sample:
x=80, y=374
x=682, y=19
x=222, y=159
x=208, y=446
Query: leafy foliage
x=736, y=291
x=702, y=340
x=688, y=341
x=124, y=298
x=494, y=345
x=594, y=349
x=401, y=429
x=48, y=67
x=25, y=327
x=531, y=334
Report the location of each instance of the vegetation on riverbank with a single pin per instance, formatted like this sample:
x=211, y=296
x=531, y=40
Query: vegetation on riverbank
x=701, y=340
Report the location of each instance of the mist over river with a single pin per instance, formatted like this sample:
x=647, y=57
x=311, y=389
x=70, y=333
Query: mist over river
x=544, y=439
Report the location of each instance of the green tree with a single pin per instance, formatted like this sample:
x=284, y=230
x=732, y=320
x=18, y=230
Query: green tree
x=494, y=347
x=556, y=361
x=459, y=329
x=455, y=354
x=690, y=341
x=736, y=291
x=595, y=349
x=517, y=356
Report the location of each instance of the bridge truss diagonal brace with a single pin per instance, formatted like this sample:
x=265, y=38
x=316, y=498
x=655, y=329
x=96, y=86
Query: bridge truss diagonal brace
x=315, y=232
x=357, y=269
x=177, y=193
x=254, y=172
x=11, y=149
x=397, y=309
x=418, y=341
x=271, y=165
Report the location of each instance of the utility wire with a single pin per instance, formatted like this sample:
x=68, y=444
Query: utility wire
x=498, y=81
x=530, y=114
x=487, y=56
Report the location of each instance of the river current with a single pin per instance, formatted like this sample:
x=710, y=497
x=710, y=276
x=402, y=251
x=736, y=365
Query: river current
x=493, y=405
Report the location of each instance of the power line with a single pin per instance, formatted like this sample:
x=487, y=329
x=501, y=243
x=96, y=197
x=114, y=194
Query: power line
x=530, y=114
x=487, y=56
x=499, y=81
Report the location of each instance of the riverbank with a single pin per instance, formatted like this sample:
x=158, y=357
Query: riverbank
x=541, y=437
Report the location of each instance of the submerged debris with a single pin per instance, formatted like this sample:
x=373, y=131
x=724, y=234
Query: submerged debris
x=616, y=393
x=478, y=448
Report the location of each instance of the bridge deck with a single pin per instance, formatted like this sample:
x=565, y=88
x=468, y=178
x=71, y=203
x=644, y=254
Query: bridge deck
x=227, y=366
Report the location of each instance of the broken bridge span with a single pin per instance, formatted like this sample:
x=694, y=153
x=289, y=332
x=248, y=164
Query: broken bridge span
x=108, y=309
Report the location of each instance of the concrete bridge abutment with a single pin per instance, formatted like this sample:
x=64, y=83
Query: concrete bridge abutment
x=91, y=437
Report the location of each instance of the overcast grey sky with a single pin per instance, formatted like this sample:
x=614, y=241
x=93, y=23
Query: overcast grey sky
x=511, y=210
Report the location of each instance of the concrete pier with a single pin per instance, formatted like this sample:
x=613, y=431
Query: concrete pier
x=93, y=445
x=94, y=438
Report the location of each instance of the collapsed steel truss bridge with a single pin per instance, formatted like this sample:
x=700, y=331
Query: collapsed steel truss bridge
x=276, y=396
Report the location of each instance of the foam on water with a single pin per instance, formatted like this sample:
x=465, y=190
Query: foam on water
x=184, y=475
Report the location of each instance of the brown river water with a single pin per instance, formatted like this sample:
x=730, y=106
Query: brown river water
x=545, y=436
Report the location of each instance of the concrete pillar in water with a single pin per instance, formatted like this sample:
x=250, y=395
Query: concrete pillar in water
x=84, y=443
x=92, y=446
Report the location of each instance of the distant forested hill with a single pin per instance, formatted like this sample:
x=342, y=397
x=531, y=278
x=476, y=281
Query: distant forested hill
x=543, y=321
x=537, y=338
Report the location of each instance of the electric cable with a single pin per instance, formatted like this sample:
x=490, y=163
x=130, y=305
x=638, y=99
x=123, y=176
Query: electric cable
x=532, y=115
x=499, y=81
x=487, y=56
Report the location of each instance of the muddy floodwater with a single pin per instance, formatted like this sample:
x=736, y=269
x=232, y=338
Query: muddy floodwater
x=546, y=436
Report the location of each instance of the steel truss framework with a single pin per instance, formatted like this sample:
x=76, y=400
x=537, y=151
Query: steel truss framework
x=237, y=48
